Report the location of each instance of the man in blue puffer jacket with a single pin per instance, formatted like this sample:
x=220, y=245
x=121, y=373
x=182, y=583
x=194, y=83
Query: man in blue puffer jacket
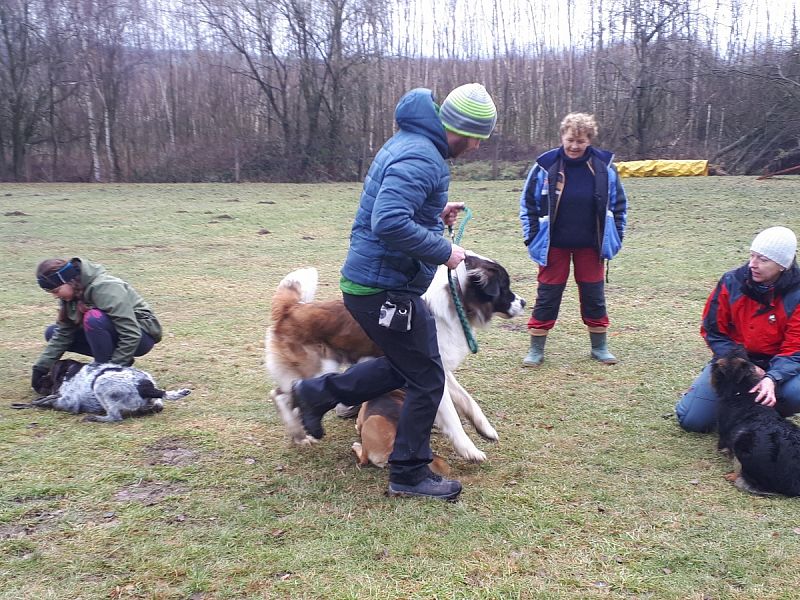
x=396, y=244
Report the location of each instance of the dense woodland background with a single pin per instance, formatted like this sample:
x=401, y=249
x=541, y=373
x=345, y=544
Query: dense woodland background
x=304, y=90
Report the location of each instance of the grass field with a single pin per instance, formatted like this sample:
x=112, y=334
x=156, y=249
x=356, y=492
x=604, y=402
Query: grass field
x=592, y=492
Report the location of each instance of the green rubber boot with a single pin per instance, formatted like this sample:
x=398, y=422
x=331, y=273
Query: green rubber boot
x=600, y=348
x=535, y=355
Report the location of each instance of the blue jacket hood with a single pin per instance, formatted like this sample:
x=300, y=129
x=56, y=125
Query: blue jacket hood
x=417, y=112
x=396, y=240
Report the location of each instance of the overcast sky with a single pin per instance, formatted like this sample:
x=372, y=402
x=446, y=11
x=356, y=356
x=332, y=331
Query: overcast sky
x=526, y=23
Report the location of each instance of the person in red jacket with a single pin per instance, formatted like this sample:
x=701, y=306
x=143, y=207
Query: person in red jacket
x=754, y=307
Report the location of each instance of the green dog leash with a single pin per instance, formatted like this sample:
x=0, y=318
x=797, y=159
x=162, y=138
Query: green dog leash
x=462, y=315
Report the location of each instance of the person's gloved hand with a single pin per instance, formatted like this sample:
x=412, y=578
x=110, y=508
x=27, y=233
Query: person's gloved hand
x=38, y=376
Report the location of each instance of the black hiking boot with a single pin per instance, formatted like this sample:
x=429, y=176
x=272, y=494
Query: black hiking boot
x=433, y=486
x=311, y=410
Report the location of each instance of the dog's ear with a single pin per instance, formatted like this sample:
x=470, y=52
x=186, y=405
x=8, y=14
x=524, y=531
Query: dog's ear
x=485, y=282
x=739, y=352
x=734, y=368
x=741, y=369
x=50, y=383
x=45, y=387
x=491, y=286
x=57, y=374
x=718, y=369
x=72, y=369
x=725, y=368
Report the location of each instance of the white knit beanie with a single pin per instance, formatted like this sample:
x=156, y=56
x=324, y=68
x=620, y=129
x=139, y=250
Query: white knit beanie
x=778, y=244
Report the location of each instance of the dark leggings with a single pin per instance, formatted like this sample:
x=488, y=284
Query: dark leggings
x=98, y=338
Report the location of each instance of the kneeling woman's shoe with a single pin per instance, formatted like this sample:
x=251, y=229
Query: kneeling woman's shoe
x=535, y=355
x=433, y=486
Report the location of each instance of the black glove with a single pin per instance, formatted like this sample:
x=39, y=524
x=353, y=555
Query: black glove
x=38, y=378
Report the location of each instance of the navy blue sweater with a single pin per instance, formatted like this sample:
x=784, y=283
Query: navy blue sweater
x=576, y=222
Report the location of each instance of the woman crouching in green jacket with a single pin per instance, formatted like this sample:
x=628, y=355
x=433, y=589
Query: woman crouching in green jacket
x=99, y=315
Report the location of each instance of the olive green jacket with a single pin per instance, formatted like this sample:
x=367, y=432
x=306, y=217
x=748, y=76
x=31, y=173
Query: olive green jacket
x=129, y=313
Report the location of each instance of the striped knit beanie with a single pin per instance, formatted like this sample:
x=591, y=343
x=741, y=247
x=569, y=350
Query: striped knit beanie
x=778, y=244
x=468, y=110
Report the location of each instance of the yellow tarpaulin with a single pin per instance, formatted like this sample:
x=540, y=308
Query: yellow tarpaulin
x=662, y=168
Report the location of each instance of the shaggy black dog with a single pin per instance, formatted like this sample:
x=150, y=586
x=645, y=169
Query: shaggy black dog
x=765, y=445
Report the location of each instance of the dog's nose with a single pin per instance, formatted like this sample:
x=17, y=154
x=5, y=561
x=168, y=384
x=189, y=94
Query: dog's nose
x=522, y=302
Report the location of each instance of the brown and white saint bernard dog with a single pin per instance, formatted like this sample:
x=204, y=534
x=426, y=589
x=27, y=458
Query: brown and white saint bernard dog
x=307, y=338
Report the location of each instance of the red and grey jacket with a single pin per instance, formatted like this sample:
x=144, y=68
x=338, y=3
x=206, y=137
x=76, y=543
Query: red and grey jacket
x=765, y=323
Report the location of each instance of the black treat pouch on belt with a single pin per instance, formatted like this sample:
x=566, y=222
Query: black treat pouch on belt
x=396, y=312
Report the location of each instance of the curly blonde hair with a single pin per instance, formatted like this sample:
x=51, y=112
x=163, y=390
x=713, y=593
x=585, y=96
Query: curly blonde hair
x=580, y=123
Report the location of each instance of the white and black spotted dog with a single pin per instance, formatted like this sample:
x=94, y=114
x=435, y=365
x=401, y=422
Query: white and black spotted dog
x=106, y=391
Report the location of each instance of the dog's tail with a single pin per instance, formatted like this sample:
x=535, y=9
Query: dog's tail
x=298, y=286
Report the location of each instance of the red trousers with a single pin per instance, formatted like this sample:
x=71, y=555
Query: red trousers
x=553, y=279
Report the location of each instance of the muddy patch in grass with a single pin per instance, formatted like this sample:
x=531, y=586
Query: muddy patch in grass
x=30, y=523
x=171, y=451
x=149, y=492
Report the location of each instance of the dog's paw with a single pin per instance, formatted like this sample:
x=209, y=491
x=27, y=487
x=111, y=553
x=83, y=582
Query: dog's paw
x=472, y=454
x=20, y=405
x=745, y=486
x=305, y=441
x=489, y=433
x=465, y=448
x=178, y=394
x=477, y=457
x=358, y=451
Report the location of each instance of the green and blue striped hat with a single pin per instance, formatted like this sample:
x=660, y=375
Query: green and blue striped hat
x=468, y=110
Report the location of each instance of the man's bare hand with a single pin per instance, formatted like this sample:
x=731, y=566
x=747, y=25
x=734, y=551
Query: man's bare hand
x=457, y=255
x=450, y=212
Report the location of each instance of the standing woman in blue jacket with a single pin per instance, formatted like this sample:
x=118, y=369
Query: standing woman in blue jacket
x=396, y=245
x=573, y=208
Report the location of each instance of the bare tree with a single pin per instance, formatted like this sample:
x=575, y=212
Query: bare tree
x=230, y=90
x=24, y=92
